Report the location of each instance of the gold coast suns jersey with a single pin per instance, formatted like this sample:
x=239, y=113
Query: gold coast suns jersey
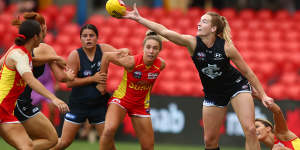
x=292, y=144
x=11, y=84
x=135, y=87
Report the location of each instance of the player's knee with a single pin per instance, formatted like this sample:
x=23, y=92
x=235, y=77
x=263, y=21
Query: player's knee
x=26, y=146
x=250, y=130
x=64, y=143
x=147, y=146
x=52, y=141
x=109, y=131
x=211, y=140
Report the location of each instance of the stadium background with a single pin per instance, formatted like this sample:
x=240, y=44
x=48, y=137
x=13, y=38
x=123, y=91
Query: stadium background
x=266, y=33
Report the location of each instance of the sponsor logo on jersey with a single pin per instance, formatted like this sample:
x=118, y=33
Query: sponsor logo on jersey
x=245, y=87
x=139, y=87
x=152, y=75
x=35, y=109
x=137, y=74
x=70, y=116
x=238, y=79
x=218, y=56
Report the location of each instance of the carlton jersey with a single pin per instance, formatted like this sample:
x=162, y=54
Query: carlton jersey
x=11, y=86
x=135, y=87
x=216, y=73
x=37, y=72
x=292, y=144
x=87, y=94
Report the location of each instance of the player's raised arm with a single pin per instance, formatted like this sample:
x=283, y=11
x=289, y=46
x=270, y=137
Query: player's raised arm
x=183, y=40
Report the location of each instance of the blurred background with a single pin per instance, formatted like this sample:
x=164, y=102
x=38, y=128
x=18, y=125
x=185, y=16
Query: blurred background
x=266, y=33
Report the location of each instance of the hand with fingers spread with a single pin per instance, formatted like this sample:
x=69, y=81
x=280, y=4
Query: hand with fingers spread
x=97, y=77
x=134, y=14
x=61, y=105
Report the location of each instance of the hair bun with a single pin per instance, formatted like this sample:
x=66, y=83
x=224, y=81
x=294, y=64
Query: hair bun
x=150, y=33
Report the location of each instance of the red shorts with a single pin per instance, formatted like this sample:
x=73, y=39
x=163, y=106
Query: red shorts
x=6, y=117
x=132, y=109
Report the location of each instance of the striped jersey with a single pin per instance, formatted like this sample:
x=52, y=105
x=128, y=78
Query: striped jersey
x=135, y=87
x=11, y=84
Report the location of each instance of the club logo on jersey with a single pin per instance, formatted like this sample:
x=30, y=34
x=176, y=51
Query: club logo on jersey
x=137, y=74
x=218, y=56
x=211, y=71
x=87, y=73
x=201, y=56
x=152, y=75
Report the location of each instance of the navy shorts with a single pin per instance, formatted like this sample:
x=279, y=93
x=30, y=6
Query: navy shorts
x=25, y=110
x=80, y=112
x=222, y=100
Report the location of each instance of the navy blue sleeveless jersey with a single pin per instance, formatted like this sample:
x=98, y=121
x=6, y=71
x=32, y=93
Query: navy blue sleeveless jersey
x=37, y=72
x=217, y=75
x=87, y=94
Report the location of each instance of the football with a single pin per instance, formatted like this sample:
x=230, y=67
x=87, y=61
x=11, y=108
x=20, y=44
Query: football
x=116, y=8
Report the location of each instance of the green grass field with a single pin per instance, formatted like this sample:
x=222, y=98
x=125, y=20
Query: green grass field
x=83, y=145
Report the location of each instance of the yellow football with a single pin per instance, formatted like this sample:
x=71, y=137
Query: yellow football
x=116, y=8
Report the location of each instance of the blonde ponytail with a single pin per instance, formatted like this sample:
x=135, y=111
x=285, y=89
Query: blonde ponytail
x=223, y=29
x=226, y=34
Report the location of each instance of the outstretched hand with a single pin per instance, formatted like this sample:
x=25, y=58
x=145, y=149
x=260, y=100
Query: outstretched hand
x=134, y=14
x=267, y=101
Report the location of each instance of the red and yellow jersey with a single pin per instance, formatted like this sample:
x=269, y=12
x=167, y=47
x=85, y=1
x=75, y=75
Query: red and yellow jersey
x=293, y=144
x=135, y=87
x=11, y=84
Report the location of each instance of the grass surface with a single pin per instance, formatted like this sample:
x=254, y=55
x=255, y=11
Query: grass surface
x=83, y=145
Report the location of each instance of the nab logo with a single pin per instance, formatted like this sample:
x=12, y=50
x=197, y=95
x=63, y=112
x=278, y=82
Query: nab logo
x=87, y=73
x=137, y=74
x=152, y=75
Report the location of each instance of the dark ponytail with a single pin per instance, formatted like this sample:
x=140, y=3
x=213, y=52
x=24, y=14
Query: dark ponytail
x=27, y=30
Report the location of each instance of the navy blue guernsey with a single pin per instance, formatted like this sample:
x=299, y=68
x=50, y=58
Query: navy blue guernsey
x=217, y=75
x=37, y=72
x=87, y=94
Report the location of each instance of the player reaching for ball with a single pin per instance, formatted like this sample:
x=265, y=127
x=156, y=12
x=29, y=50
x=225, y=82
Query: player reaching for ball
x=211, y=51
